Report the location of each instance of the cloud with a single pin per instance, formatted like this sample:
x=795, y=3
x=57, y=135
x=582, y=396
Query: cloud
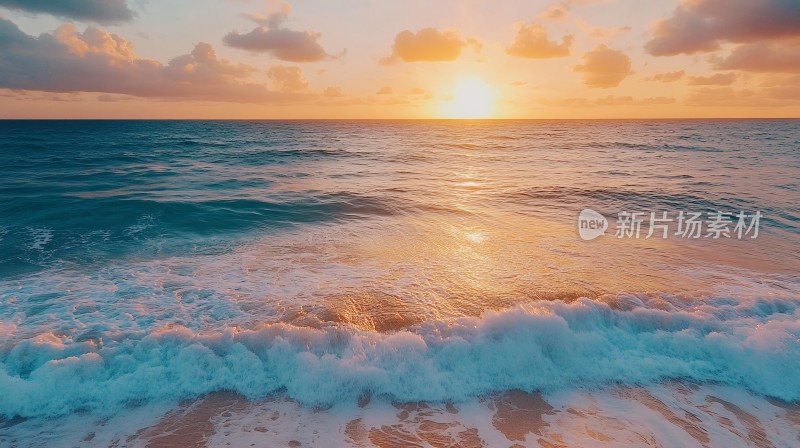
x=556, y=11
x=630, y=101
x=783, y=57
x=385, y=90
x=601, y=32
x=102, y=62
x=27, y=95
x=284, y=44
x=727, y=97
x=667, y=77
x=428, y=45
x=787, y=89
x=100, y=11
x=271, y=19
x=604, y=67
x=561, y=11
x=701, y=25
x=532, y=42
x=720, y=79
x=105, y=98
x=333, y=92
x=780, y=91
x=607, y=101
x=287, y=79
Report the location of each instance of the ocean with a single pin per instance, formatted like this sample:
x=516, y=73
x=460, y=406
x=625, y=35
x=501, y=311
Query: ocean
x=400, y=283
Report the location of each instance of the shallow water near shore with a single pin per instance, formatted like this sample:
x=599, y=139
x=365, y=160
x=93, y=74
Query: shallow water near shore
x=667, y=414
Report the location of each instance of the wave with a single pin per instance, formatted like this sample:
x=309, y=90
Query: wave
x=43, y=232
x=625, y=199
x=619, y=199
x=541, y=346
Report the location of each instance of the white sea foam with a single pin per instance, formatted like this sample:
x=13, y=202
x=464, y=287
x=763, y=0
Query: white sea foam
x=40, y=236
x=143, y=223
x=546, y=346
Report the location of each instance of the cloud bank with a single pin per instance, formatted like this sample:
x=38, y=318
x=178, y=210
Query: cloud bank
x=701, y=25
x=775, y=57
x=98, y=61
x=667, y=77
x=100, y=11
x=608, y=101
x=720, y=79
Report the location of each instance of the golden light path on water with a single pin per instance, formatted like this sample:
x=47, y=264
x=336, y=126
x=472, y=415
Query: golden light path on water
x=469, y=252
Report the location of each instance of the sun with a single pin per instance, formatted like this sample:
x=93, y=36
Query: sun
x=472, y=97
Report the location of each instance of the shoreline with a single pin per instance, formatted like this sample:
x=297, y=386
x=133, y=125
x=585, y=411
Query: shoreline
x=670, y=413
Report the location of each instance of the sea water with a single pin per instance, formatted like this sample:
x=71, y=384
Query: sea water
x=147, y=263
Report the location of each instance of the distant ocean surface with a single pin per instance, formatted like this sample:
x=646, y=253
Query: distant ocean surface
x=143, y=263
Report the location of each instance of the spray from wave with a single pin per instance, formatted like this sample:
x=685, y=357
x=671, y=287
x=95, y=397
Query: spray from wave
x=544, y=346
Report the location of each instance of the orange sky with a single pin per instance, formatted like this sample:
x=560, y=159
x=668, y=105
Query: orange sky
x=413, y=59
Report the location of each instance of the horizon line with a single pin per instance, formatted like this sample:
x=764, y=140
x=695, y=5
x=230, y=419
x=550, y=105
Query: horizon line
x=406, y=119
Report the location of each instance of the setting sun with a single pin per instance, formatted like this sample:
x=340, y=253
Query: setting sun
x=471, y=98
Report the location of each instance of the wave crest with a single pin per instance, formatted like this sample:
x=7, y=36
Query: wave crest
x=539, y=346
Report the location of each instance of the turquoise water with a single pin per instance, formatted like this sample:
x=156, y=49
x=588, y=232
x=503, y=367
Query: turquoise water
x=143, y=261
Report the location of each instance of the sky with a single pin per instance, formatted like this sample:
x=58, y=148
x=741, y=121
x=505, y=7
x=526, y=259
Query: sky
x=263, y=59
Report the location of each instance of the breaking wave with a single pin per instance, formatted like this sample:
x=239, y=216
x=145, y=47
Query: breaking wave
x=544, y=346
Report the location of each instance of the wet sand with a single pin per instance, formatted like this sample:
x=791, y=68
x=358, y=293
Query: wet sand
x=668, y=415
